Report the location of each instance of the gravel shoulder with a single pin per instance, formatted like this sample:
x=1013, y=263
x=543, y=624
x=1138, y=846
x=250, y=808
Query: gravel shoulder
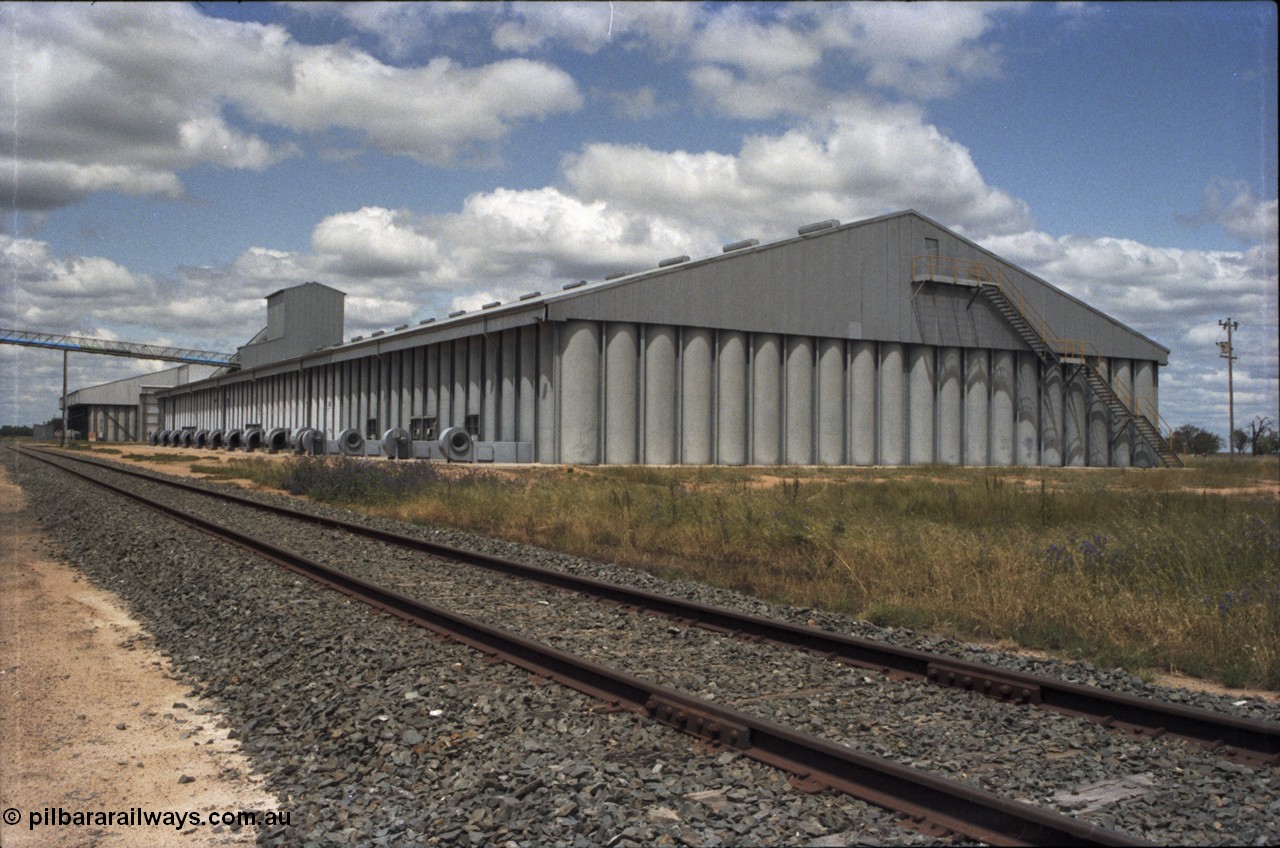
x=92, y=718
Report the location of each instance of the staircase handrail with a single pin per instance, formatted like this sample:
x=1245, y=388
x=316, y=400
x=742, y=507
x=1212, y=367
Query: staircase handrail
x=1147, y=409
x=960, y=269
x=1094, y=359
x=982, y=273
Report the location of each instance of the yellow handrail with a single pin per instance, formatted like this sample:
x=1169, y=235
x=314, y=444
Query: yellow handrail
x=979, y=273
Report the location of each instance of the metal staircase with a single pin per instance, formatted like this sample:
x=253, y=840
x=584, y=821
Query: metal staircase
x=994, y=293
x=1121, y=414
x=992, y=284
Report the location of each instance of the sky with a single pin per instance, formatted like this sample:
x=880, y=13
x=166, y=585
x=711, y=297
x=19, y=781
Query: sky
x=167, y=166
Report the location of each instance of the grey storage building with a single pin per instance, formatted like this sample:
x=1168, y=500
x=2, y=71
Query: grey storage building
x=127, y=410
x=888, y=341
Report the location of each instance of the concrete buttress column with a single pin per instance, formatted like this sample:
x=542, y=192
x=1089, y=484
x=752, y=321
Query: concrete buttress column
x=893, y=405
x=831, y=402
x=490, y=387
x=977, y=402
x=1002, y=408
x=1051, y=416
x=419, y=383
x=660, y=396
x=431, y=391
x=580, y=393
x=620, y=380
x=1144, y=391
x=697, y=397
x=863, y=403
x=1144, y=387
x=1099, y=431
x=475, y=374
x=509, y=392
x=920, y=404
x=950, y=417
x=446, y=387
x=1028, y=415
x=1122, y=384
x=527, y=398
x=546, y=446
x=766, y=391
x=1075, y=424
x=799, y=401
x=731, y=399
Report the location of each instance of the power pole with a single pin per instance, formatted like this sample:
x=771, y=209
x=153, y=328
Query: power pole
x=64, y=398
x=1227, y=351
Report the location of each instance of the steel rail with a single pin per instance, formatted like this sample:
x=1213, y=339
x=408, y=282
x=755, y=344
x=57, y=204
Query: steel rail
x=1245, y=740
x=930, y=803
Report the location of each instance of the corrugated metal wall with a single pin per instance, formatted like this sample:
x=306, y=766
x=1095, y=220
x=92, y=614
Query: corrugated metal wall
x=822, y=349
x=588, y=392
x=111, y=423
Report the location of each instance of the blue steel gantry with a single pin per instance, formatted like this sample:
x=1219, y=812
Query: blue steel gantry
x=114, y=348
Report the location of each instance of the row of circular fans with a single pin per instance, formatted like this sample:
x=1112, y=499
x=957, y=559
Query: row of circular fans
x=454, y=443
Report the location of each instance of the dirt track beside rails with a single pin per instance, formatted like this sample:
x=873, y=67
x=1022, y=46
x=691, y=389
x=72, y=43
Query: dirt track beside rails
x=91, y=716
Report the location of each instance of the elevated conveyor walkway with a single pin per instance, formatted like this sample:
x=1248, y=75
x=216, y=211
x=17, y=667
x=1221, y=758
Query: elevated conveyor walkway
x=78, y=344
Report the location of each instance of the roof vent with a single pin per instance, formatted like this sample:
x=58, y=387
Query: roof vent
x=674, y=260
x=357, y=338
x=531, y=295
x=491, y=305
x=615, y=275
x=426, y=321
x=740, y=245
x=576, y=285
x=807, y=229
x=456, y=314
x=403, y=327
x=377, y=333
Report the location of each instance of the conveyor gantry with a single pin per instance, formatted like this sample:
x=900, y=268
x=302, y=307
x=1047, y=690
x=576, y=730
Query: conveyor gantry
x=114, y=348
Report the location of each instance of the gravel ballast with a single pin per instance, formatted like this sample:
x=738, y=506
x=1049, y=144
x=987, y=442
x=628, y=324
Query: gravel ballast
x=373, y=731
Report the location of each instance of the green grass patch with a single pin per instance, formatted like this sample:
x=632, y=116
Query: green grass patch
x=262, y=472
x=1160, y=569
x=159, y=458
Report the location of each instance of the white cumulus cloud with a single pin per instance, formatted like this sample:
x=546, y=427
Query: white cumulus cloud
x=125, y=97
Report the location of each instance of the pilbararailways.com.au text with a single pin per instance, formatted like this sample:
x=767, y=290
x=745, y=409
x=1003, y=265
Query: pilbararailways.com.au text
x=138, y=817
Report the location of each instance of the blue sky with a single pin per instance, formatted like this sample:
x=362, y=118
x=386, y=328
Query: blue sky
x=168, y=165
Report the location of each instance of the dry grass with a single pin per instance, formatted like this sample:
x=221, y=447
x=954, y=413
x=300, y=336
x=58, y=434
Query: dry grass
x=1156, y=570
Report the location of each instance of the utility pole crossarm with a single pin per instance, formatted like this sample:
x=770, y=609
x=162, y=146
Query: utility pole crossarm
x=114, y=348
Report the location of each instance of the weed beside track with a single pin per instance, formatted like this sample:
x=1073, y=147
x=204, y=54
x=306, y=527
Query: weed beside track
x=1155, y=570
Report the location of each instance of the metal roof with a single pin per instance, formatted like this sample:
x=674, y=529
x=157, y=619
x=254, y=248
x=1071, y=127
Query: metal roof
x=538, y=306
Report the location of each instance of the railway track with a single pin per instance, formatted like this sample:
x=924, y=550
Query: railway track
x=1243, y=740
x=945, y=805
